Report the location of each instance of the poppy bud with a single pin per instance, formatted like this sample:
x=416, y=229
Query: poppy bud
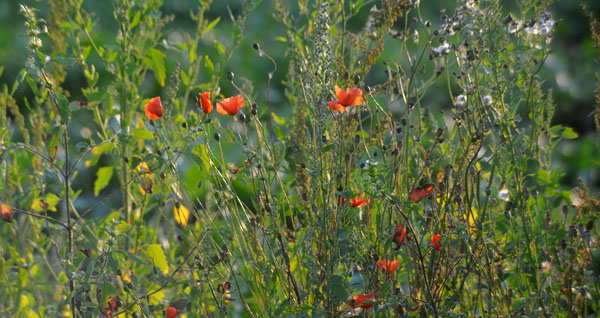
x=126, y=159
x=256, y=46
x=346, y=75
x=356, y=79
x=207, y=121
x=180, y=238
x=230, y=76
x=368, y=89
x=403, y=121
x=436, y=33
x=242, y=117
x=439, y=132
x=565, y=210
x=427, y=23
x=590, y=225
x=162, y=175
x=217, y=136
x=324, y=138
x=302, y=165
x=184, y=125
x=199, y=185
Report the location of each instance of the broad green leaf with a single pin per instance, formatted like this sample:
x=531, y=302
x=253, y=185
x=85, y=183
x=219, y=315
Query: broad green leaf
x=156, y=253
x=103, y=176
x=156, y=61
x=208, y=63
x=569, y=133
x=335, y=283
x=143, y=134
x=52, y=200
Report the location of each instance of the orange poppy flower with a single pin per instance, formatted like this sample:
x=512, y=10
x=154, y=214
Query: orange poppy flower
x=418, y=194
x=205, y=103
x=359, y=301
x=387, y=266
x=6, y=212
x=359, y=201
x=350, y=97
x=399, y=235
x=435, y=240
x=154, y=108
x=172, y=312
x=230, y=105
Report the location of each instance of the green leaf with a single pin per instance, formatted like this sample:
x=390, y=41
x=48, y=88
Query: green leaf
x=200, y=151
x=52, y=200
x=208, y=63
x=18, y=81
x=103, y=176
x=211, y=25
x=156, y=253
x=220, y=48
x=142, y=134
x=336, y=285
x=569, y=133
x=156, y=61
x=279, y=120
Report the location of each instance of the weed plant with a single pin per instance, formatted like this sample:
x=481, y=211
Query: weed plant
x=369, y=200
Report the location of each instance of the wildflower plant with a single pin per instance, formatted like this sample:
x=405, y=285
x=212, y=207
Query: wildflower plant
x=132, y=201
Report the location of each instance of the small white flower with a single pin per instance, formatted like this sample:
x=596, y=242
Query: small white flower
x=460, y=100
x=503, y=195
x=532, y=30
x=513, y=27
x=487, y=99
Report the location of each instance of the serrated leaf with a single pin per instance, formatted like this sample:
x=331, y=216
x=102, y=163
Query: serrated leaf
x=156, y=253
x=142, y=134
x=335, y=283
x=155, y=60
x=103, y=176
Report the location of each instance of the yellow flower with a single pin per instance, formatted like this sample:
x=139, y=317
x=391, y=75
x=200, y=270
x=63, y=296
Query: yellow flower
x=182, y=214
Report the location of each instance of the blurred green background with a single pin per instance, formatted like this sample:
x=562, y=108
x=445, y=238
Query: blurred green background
x=569, y=73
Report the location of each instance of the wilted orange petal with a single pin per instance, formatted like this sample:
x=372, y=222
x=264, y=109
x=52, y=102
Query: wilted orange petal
x=399, y=235
x=418, y=194
x=6, y=212
x=435, y=240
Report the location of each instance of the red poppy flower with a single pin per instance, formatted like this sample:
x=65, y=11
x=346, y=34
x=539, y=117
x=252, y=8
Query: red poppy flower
x=205, y=103
x=6, y=212
x=418, y=194
x=399, y=235
x=359, y=201
x=387, y=266
x=172, y=312
x=435, y=240
x=231, y=105
x=350, y=97
x=154, y=108
x=359, y=301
